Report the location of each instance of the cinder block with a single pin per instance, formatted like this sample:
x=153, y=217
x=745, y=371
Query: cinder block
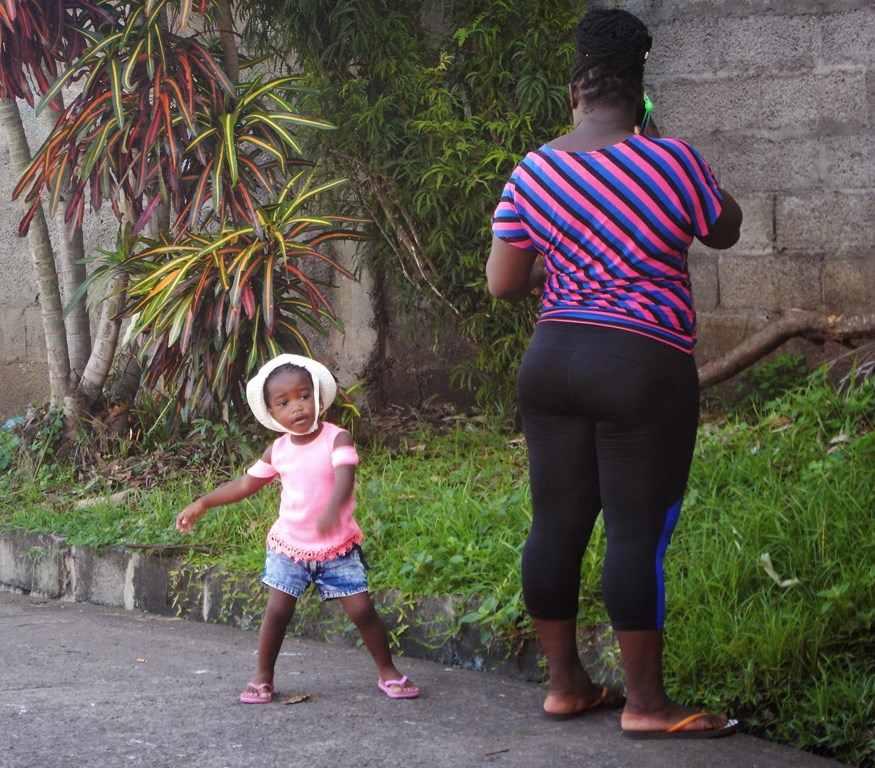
x=792, y=102
x=842, y=101
x=848, y=36
x=752, y=165
x=22, y=382
x=704, y=278
x=758, y=225
x=17, y=280
x=683, y=46
x=12, y=332
x=849, y=284
x=846, y=162
x=152, y=587
x=835, y=223
x=646, y=10
x=33, y=562
x=730, y=103
x=769, y=43
x=689, y=108
x=721, y=331
x=772, y=283
x=34, y=334
x=98, y=576
x=700, y=9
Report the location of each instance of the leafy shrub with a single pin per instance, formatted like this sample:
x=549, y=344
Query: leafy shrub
x=767, y=381
x=433, y=111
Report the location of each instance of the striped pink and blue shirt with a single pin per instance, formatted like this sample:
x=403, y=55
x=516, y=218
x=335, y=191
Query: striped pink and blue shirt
x=614, y=226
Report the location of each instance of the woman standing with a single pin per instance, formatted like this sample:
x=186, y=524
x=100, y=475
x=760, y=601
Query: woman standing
x=599, y=221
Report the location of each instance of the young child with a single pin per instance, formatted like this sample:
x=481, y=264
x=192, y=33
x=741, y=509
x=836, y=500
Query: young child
x=315, y=540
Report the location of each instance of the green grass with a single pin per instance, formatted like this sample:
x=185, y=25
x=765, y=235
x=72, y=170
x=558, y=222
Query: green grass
x=770, y=577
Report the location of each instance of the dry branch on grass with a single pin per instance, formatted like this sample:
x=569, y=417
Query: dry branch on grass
x=794, y=322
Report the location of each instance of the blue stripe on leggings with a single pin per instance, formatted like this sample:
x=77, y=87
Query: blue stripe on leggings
x=671, y=520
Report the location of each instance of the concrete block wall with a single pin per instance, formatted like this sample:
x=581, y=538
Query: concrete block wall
x=23, y=368
x=779, y=96
x=22, y=344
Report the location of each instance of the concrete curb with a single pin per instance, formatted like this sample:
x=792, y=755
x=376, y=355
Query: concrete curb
x=421, y=627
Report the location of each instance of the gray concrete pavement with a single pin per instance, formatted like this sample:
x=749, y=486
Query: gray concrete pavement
x=88, y=686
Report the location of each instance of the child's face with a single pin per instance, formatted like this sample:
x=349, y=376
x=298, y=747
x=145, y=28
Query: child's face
x=290, y=400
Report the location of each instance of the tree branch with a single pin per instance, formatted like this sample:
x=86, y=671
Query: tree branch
x=230, y=54
x=794, y=322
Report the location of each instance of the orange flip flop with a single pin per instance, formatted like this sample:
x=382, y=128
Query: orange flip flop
x=677, y=730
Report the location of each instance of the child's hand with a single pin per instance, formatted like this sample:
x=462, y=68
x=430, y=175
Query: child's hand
x=328, y=521
x=186, y=519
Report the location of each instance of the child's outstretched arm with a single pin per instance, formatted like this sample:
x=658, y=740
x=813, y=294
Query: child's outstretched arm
x=234, y=490
x=344, y=459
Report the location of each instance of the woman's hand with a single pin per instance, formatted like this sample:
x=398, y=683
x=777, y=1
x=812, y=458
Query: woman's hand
x=538, y=276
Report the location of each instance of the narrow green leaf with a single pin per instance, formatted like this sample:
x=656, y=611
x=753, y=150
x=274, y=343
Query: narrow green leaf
x=296, y=119
x=200, y=138
x=218, y=186
x=222, y=373
x=133, y=59
x=227, y=122
x=279, y=129
x=266, y=147
x=115, y=78
x=178, y=323
x=95, y=150
x=267, y=299
x=291, y=329
x=256, y=89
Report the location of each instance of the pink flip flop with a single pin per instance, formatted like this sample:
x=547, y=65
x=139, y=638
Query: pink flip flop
x=263, y=693
x=401, y=693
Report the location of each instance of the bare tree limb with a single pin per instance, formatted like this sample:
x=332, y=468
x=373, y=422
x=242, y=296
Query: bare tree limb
x=404, y=241
x=230, y=54
x=794, y=322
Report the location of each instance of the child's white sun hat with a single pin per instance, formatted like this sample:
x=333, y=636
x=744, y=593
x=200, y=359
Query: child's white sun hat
x=324, y=389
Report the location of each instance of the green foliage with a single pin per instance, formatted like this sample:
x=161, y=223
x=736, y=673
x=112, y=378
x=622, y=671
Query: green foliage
x=9, y=443
x=211, y=309
x=37, y=455
x=458, y=506
x=159, y=132
x=436, y=111
x=779, y=623
x=767, y=381
x=126, y=137
x=770, y=575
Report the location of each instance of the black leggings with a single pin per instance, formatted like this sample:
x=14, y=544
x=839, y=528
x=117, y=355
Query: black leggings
x=610, y=421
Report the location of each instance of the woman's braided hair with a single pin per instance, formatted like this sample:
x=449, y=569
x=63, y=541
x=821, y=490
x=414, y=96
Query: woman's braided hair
x=612, y=46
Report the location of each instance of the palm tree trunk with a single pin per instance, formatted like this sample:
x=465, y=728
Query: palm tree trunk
x=71, y=274
x=43, y=259
x=105, y=340
x=230, y=55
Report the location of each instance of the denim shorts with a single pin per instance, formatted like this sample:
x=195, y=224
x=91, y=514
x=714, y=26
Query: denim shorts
x=339, y=576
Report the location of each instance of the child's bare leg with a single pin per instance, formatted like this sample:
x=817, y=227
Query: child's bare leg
x=370, y=627
x=277, y=615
